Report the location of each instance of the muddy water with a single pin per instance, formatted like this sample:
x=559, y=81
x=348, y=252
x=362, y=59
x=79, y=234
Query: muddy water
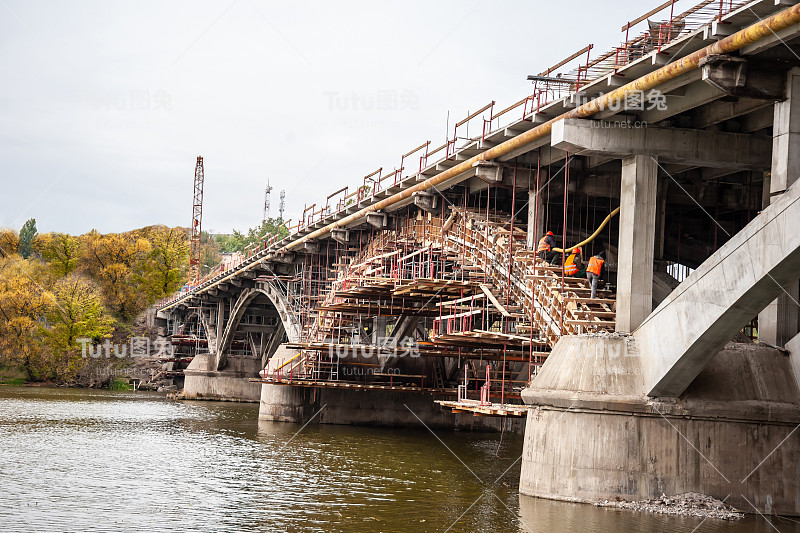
x=74, y=460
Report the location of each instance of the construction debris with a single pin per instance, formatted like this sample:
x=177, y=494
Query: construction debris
x=688, y=504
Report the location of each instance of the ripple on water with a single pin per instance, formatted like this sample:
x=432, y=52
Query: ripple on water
x=100, y=461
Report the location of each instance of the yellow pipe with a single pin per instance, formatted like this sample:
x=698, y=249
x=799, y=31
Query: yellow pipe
x=751, y=34
x=593, y=235
x=289, y=361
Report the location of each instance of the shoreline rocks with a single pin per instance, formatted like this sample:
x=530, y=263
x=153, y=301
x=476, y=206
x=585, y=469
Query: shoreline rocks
x=688, y=504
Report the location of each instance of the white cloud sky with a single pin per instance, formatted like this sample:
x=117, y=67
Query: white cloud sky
x=104, y=105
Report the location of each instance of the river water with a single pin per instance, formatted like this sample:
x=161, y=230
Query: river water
x=77, y=460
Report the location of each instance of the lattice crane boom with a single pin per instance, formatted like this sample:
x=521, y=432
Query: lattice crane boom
x=197, y=221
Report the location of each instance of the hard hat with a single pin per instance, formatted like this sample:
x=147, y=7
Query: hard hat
x=550, y=233
x=577, y=250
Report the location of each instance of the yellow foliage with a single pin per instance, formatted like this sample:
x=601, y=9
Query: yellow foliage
x=22, y=305
x=9, y=242
x=71, y=286
x=167, y=260
x=117, y=263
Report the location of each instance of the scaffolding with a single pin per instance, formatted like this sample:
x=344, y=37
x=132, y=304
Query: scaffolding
x=451, y=298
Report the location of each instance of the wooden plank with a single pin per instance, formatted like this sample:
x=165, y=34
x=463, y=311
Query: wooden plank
x=591, y=300
x=590, y=323
x=461, y=300
x=460, y=315
x=493, y=299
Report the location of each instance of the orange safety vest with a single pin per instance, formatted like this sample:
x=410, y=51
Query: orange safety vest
x=595, y=264
x=570, y=268
x=543, y=246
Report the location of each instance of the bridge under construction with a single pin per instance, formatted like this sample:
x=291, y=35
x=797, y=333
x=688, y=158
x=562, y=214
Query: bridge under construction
x=418, y=296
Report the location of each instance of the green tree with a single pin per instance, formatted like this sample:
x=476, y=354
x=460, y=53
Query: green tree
x=76, y=310
x=210, y=253
x=168, y=260
x=26, y=236
x=60, y=251
x=238, y=241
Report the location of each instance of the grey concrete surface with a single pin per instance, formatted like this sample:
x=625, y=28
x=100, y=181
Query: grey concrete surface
x=718, y=299
x=592, y=433
x=637, y=227
x=205, y=382
x=687, y=147
x=780, y=321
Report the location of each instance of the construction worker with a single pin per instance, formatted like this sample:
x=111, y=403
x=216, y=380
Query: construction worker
x=594, y=270
x=545, y=249
x=573, y=264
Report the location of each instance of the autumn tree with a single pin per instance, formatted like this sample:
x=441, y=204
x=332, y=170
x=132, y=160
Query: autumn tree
x=26, y=236
x=76, y=310
x=22, y=308
x=168, y=259
x=60, y=251
x=117, y=263
x=9, y=242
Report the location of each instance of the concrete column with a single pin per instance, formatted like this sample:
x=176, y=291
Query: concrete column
x=220, y=324
x=535, y=218
x=780, y=321
x=637, y=223
x=786, y=137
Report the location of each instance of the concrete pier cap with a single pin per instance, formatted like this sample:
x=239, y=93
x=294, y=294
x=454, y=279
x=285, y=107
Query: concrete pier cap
x=593, y=434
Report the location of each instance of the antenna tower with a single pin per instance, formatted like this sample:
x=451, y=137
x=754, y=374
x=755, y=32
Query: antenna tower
x=267, y=192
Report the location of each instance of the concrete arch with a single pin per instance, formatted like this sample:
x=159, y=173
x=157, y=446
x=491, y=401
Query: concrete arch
x=291, y=325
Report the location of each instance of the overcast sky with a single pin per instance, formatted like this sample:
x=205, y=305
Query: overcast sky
x=105, y=105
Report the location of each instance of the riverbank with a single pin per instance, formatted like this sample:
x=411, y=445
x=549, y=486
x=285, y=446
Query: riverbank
x=144, y=373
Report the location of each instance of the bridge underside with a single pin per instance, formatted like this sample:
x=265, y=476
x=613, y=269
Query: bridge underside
x=439, y=295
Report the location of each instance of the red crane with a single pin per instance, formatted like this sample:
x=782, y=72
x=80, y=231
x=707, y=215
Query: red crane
x=197, y=220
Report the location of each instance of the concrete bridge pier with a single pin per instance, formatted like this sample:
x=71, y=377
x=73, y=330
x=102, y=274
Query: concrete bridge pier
x=672, y=406
x=205, y=382
x=593, y=435
x=367, y=407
